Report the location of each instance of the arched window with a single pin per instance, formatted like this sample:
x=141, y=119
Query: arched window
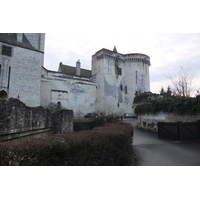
x=3, y=94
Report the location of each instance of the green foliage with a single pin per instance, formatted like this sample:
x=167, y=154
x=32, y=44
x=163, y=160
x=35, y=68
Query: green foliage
x=53, y=107
x=2, y=100
x=166, y=94
x=110, y=145
x=143, y=96
x=179, y=105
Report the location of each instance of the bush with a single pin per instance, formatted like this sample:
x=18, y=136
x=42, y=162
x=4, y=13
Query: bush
x=110, y=145
x=179, y=105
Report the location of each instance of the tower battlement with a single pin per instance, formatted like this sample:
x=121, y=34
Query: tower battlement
x=130, y=57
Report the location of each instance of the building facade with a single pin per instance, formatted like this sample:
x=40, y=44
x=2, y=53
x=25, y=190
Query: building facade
x=71, y=88
x=21, y=61
x=119, y=78
x=108, y=88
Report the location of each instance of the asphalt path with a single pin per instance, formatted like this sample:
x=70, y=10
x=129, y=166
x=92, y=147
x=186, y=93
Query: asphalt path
x=151, y=151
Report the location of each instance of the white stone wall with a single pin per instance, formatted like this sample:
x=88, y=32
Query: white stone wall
x=37, y=40
x=73, y=93
x=111, y=95
x=149, y=121
x=25, y=74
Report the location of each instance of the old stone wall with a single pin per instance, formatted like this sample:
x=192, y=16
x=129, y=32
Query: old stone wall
x=20, y=68
x=149, y=121
x=62, y=121
x=21, y=74
x=71, y=92
x=37, y=40
x=119, y=77
x=18, y=120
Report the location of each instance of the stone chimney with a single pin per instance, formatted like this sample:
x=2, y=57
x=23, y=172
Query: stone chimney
x=19, y=37
x=78, y=68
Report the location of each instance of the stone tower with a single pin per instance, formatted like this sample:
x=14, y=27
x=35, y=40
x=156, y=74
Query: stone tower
x=21, y=61
x=119, y=78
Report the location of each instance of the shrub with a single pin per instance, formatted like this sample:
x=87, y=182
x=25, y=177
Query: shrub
x=179, y=105
x=110, y=145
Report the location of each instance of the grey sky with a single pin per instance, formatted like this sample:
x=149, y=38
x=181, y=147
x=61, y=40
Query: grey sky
x=168, y=52
x=77, y=29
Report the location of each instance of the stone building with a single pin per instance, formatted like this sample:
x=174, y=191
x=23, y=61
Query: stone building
x=119, y=78
x=108, y=88
x=70, y=87
x=21, y=61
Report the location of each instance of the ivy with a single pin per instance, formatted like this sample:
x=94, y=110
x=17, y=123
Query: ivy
x=179, y=105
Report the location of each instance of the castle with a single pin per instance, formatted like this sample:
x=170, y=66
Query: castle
x=108, y=88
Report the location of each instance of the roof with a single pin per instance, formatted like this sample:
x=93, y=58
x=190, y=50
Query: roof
x=66, y=69
x=11, y=38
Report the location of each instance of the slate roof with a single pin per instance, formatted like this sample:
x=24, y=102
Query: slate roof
x=66, y=69
x=11, y=38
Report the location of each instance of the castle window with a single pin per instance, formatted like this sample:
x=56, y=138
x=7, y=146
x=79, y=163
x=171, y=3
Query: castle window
x=9, y=71
x=119, y=71
x=6, y=51
x=136, y=77
x=126, y=90
x=121, y=87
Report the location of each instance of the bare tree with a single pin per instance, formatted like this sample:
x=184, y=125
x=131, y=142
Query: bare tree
x=182, y=83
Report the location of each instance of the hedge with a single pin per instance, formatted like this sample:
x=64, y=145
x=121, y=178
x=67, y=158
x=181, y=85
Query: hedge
x=179, y=105
x=110, y=145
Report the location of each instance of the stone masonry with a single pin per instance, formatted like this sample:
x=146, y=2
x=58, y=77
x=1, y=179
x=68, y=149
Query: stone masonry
x=18, y=120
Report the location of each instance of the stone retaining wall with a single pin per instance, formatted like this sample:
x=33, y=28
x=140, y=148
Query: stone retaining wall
x=149, y=121
x=18, y=120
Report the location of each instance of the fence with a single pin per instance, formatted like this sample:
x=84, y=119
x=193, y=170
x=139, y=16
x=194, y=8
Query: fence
x=179, y=130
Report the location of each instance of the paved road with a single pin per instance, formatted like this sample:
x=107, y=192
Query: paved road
x=151, y=151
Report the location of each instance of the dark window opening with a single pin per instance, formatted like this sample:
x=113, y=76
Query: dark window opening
x=126, y=90
x=119, y=71
x=3, y=94
x=9, y=77
x=59, y=105
x=136, y=77
x=121, y=87
x=6, y=51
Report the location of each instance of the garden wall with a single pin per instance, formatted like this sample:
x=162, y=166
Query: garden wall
x=18, y=120
x=149, y=121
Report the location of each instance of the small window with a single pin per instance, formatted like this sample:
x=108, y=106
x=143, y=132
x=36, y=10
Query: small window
x=121, y=87
x=119, y=71
x=136, y=77
x=126, y=90
x=59, y=105
x=6, y=51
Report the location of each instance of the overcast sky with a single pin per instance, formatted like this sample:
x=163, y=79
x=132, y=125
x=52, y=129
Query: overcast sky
x=168, y=52
x=167, y=31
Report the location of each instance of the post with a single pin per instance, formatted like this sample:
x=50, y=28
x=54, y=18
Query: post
x=180, y=133
x=198, y=128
